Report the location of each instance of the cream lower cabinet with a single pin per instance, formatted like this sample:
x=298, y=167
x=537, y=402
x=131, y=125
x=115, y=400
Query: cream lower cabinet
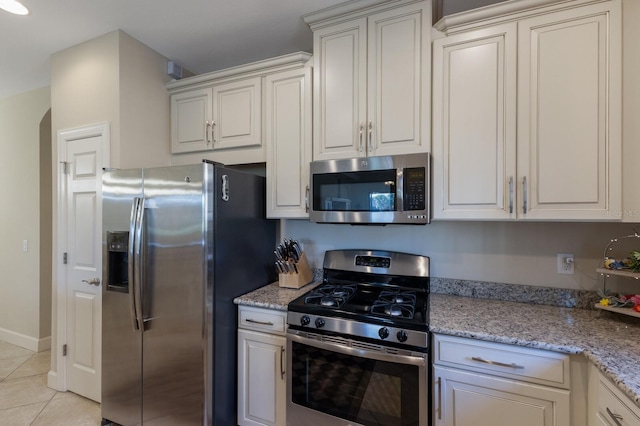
x=487, y=384
x=527, y=114
x=371, y=83
x=288, y=137
x=261, y=367
x=608, y=406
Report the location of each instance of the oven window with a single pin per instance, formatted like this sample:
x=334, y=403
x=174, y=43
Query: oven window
x=361, y=390
x=355, y=191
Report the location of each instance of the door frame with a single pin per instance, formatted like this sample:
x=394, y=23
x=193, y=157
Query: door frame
x=57, y=377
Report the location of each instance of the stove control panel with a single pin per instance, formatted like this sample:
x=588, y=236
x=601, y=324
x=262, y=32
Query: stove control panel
x=359, y=329
x=373, y=261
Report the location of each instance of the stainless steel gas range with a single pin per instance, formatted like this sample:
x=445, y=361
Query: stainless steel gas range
x=358, y=344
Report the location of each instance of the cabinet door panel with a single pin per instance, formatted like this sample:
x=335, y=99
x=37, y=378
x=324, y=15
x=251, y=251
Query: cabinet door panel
x=237, y=114
x=474, y=124
x=568, y=132
x=261, y=384
x=470, y=399
x=189, y=114
x=398, y=80
x=340, y=88
x=288, y=116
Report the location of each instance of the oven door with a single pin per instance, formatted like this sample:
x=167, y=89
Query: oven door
x=337, y=381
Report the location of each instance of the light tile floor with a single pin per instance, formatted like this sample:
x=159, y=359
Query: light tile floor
x=25, y=399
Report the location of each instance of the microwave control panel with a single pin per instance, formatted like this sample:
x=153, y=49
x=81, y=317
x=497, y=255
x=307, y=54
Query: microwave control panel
x=414, y=188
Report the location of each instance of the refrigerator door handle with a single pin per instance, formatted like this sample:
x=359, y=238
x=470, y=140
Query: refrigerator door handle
x=131, y=270
x=137, y=260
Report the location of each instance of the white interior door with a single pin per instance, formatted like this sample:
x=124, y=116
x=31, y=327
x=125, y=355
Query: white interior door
x=84, y=159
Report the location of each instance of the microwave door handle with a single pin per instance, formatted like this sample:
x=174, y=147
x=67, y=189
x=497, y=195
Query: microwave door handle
x=135, y=204
x=306, y=200
x=138, y=267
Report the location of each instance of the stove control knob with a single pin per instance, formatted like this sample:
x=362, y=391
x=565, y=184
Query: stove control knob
x=383, y=332
x=319, y=323
x=402, y=336
x=305, y=320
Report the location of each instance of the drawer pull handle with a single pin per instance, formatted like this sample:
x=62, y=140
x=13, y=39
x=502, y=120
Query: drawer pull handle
x=499, y=364
x=614, y=417
x=439, y=382
x=259, y=322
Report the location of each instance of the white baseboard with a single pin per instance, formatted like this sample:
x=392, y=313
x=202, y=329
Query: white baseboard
x=24, y=341
x=52, y=381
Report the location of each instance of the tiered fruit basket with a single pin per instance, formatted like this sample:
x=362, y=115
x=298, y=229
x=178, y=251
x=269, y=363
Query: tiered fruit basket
x=628, y=267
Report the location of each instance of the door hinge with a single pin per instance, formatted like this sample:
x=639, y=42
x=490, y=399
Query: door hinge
x=64, y=350
x=64, y=258
x=65, y=167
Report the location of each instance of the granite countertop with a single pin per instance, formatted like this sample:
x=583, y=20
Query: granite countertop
x=273, y=296
x=610, y=341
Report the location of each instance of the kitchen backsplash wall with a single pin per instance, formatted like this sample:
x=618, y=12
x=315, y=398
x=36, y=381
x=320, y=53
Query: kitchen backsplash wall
x=502, y=252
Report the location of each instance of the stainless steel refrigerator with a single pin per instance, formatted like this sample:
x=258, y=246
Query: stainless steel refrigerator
x=179, y=244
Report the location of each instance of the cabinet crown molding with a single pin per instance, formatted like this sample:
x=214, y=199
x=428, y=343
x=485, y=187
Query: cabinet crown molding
x=279, y=63
x=499, y=12
x=350, y=10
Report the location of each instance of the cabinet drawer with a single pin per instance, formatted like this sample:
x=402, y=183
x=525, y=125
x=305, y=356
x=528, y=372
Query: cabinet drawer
x=265, y=320
x=611, y=404
x=532, y=365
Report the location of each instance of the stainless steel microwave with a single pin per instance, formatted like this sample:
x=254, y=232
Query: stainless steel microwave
x=371, y=190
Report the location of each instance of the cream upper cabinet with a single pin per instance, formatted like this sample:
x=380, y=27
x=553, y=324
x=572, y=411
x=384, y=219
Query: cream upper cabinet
x=227, y=115
x=190, y=121
x=371, y=88
x=569, y=114
x=474, y=124
x=288, y=138
x=237, y=119
x=527, y=116
x=220, y=116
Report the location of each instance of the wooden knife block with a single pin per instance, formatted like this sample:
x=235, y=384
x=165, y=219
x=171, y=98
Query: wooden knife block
x=302, y=278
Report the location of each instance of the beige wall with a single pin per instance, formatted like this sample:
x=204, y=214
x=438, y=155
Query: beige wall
x=118, y=80
x=144, y=106
x=22, y=321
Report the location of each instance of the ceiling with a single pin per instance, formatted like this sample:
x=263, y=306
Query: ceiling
x=201, y=35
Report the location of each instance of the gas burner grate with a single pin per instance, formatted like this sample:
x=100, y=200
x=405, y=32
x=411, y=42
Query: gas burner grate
x=397, y=304
x=330, y=295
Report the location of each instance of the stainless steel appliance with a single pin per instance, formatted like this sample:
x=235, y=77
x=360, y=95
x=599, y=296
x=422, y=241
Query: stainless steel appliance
x=371, y=190
x=179, y=244
x=358, y=344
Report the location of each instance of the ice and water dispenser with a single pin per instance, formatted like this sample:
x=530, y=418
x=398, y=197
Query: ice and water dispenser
x=118, y=261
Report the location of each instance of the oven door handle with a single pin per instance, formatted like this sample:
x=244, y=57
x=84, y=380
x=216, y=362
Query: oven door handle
x=420, y=359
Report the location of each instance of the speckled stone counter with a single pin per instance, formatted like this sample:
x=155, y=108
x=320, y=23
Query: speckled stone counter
x=610, y=341
x=273, y=296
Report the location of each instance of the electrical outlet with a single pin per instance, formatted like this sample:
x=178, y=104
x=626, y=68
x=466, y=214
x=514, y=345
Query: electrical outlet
x=565, y=263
